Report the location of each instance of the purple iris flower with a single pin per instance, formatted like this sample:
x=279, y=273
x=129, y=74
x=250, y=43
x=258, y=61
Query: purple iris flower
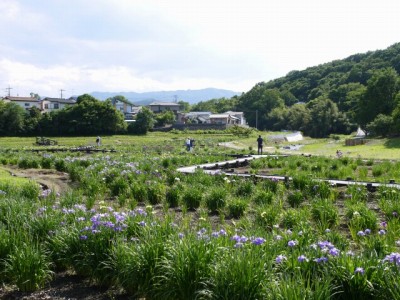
x=359, y=270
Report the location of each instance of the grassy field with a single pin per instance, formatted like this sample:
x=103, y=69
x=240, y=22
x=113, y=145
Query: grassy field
x=373, y=149
x=7, y=178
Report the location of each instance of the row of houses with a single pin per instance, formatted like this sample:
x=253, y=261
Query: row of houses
x=130, y=110
x=45, y=105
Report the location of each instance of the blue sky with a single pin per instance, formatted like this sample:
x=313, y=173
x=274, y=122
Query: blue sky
x=83, y=46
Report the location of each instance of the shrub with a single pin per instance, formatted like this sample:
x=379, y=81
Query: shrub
x=321, y=190
x=156, y=193
x=267, y=216
x=119, y=186
x=60, y=165
x=244, y=188
x=185, y=268
x=75, y=173
x=244, y=273
x=136, y=264
x=271, y=185
x=295, y=198
x=293, y=217
x=302, y=182
x=28, y=267
x=360, y=218
x=26, y=163
x=173, y=196
x=7, y=242
x=192, y=197
x=139, y=192
x=263, y=197
x=46, y=163
x=325, y=213
x=216, y=199
x=30, y=190
x=377, y=170
x=237, y=207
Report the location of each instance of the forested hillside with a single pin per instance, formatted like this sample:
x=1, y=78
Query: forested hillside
x=336, y=97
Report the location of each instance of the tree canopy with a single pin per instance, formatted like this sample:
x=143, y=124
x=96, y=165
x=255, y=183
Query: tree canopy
x=355, y=91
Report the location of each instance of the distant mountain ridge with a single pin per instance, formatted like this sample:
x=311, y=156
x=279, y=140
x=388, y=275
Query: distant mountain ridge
x=191, y=96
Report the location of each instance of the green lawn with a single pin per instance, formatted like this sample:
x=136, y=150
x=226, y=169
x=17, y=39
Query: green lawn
x=6, y=178
x=373, y=149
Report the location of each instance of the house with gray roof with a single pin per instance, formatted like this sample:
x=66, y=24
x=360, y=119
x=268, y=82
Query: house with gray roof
x=53, y=104
x=159, y=107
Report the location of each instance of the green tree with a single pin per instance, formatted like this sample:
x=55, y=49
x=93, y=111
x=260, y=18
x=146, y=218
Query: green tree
x=88, y=116
x=12, y=119
x=184, y=106
x=298, y=117
x=278, y=116
x=216, y=105
x=379, y=97
x=381, y=126
x=143, y=123
x=32, y=121
x=324, y=114
x=263, y=101
x=167, y=117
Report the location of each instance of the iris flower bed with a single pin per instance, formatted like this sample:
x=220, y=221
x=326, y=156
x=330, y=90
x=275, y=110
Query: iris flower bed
x=133, y=222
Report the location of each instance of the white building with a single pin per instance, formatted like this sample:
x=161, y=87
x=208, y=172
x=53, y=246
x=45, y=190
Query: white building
x=54, y=104
x=25, y=102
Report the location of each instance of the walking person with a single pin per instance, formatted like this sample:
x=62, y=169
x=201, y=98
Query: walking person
x=187, y=143
x=260, y=144
x=98, y=141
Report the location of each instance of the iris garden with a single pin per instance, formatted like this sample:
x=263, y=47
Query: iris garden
x=132, y=222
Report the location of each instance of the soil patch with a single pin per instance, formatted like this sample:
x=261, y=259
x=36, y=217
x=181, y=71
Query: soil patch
x=65, y=286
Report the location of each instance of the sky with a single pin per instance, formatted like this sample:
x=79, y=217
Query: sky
x=82, y=46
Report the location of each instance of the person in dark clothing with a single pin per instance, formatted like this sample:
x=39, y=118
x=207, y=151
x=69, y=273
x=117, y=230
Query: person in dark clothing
x=260, y=144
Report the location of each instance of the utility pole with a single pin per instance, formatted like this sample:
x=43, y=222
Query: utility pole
x=9, y=89
x=61, y=92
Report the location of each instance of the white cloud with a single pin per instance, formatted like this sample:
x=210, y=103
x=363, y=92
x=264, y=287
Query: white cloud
x=26, y=78
x=133, y=45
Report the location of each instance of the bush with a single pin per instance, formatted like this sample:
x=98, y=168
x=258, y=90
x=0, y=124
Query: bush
x=244, y=188
x=361, y=218
x=173, y=196
x=25, y=163
x=60, y=165
x=156, y=193
x=295, y=198
x=119, y=186
x=28, y=268
x=325, y=213
x=263, y=197
x=302, y=182
x=237, y=208
x=216, y=200
x=293, y=217
x=46, y=163
x=139, y=192
x=268, y=216
x=192, y=197
x=30, y=190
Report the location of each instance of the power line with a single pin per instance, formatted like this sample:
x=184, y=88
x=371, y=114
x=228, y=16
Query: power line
x=9, y=89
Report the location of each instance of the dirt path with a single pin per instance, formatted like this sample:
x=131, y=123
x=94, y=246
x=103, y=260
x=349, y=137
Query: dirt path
x=51, y=179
